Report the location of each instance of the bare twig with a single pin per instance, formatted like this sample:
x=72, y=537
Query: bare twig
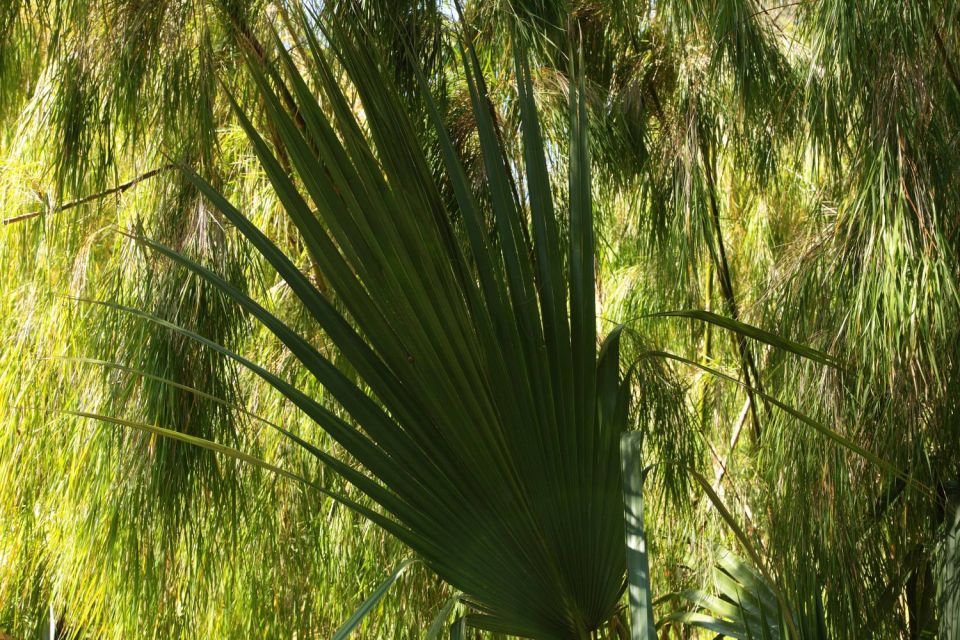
x=734, y=439
x=120, y=188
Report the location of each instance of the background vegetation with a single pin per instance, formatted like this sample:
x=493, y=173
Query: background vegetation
x=792, y=166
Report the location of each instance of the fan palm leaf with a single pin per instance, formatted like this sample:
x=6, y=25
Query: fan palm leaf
x=487, y=424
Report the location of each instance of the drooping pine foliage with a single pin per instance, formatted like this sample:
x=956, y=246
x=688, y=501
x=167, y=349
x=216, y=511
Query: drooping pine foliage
x=792, y=166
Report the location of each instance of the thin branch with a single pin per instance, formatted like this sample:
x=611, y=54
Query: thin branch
x=719, y=254
x=734, y=439
x=760, y=12
x=120, y=188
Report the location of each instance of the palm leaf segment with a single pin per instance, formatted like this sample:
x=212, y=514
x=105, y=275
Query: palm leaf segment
x=488, y=423
x=745, y=607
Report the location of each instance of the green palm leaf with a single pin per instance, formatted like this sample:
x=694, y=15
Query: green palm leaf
x=745, y=607
x=371, y=602
x=487, y=425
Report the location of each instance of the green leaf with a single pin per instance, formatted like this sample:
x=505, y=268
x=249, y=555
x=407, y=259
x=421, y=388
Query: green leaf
x=192, y=440
x=458, y=630
x=370, y=603
x=230, y=452
x=748, y=607
x=710, y=623
x=749, y=331
x=482, y=420
x=638, y=563
x=436, y=627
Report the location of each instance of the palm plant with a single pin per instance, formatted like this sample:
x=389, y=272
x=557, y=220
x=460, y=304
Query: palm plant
x=745, y=606
x=483, y=418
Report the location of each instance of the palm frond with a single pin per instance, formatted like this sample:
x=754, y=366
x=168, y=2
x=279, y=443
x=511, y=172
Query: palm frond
x=495, y=451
